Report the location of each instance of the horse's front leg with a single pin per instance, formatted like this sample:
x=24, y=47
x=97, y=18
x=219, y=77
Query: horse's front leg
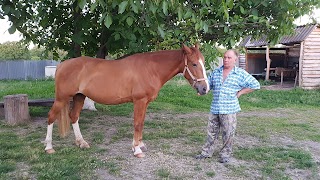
x=140, y=108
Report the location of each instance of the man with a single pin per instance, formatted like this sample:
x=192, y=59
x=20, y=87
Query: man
x=228, y=83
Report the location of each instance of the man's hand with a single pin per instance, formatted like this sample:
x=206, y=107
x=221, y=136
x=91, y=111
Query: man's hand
x=244, y=91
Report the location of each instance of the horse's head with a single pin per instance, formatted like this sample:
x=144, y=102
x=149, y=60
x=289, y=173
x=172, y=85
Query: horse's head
x=194, y=70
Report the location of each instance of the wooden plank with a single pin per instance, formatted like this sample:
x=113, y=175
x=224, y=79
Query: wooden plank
x=36, y=102
x=306, y=57
x=311, y=84
x=316, y=54
x=41, y=102
x=310, y=61
x=311, y=79
x=312, y=45
x=300, y=63
x=268, y=63
x=311, y=65
x=311, y=72
x=313, y=36
x=313, y=39
x=311, y=76
x=311, y=68
x=312, y=50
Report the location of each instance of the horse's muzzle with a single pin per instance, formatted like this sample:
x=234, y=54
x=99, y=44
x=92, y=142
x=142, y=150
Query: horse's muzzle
x=202, y=89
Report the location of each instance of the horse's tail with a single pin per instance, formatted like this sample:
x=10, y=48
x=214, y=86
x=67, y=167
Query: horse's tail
x=64, y=120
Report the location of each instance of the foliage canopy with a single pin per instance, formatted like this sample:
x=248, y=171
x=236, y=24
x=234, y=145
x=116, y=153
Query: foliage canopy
x=98, y=27
x=14, y=51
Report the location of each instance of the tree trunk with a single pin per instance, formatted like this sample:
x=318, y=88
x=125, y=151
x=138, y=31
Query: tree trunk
x=16, y=109
x=102, y=52
x=76, y=29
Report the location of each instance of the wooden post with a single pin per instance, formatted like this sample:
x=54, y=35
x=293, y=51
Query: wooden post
x=268, y=63
x=16, y=109
x=301, y=57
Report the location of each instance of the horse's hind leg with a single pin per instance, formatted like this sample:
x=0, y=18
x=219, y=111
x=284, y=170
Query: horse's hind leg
x=52, y=116
x=78, y=101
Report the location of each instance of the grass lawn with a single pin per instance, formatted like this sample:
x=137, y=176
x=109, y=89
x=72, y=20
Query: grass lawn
x=277, y=138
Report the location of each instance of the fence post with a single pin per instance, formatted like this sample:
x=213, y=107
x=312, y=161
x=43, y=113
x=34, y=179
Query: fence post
x=16, y=109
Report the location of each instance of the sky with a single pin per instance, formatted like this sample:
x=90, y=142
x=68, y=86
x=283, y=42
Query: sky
x=6, y=36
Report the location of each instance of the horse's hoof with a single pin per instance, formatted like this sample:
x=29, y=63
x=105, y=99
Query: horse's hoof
x=50, y=151
x=84, y=145
x=140, y=155
x=143, y=148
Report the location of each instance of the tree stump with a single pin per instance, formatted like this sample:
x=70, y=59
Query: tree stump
x=16, y=109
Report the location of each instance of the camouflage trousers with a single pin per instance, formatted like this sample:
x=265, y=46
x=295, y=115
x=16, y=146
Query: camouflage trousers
x=226, y=123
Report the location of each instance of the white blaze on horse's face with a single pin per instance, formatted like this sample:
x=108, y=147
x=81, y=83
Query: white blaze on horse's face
x=204, y=75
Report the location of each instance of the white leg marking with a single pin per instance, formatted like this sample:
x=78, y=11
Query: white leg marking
x=77, y=132
x=136, y=150
x=79, y=139
x=48, y=140
x=205, y=75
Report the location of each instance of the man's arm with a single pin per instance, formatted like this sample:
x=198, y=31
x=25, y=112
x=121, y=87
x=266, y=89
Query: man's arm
x=244, y=91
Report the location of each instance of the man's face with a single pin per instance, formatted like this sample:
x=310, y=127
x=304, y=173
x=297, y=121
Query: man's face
x=229, y=59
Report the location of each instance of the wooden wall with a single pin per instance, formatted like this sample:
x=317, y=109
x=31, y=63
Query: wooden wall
x=310, y=70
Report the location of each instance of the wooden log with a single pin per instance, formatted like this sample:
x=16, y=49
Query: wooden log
x=16, y=109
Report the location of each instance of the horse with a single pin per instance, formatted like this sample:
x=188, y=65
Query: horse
x=137, y=78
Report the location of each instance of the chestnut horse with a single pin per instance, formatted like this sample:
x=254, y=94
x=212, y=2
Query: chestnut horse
x=136, y=78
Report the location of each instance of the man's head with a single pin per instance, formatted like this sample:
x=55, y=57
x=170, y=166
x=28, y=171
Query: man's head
x=229, y=59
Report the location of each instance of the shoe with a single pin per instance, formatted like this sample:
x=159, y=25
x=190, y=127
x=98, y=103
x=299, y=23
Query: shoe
x=201, y=156
x=224, y=160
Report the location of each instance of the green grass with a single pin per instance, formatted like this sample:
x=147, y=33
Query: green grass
x=292, y=114
x=163, y=173
x=275, y=160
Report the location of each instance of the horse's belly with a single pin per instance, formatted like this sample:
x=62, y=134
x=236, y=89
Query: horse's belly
x=108, y=98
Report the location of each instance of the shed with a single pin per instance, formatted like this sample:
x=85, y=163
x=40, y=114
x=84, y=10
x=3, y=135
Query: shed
x=296, y=55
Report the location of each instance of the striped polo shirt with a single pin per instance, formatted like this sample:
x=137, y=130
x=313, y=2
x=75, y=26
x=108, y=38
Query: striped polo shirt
x=225, y=99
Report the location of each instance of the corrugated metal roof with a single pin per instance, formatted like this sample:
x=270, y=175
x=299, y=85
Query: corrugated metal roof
x=300, y=34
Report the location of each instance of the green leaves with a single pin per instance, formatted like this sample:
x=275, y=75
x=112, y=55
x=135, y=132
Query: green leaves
x=165, y=7
x=12, y=29
x=122, y=7
x=82, y=3
x=160, y=30
x=129, y=20
x=108, y=21
x=129, y=26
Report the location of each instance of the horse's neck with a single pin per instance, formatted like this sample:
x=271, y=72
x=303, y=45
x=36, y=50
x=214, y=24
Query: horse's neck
x=169, y=64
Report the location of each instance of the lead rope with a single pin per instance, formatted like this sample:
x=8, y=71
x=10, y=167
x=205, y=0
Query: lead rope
x=186, y=68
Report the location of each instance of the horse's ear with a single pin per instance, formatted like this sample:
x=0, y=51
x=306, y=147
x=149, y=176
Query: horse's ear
x=186, y=49
x=197, y=45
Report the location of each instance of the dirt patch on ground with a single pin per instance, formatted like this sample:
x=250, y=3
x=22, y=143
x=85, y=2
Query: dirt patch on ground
x=176, y=156
x=287, y=85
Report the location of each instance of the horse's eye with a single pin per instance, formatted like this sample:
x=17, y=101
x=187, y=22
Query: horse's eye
x=194, y=65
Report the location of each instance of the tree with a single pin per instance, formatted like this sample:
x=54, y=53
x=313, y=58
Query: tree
x=14, y=51
x=40, y=53
x=95, y=27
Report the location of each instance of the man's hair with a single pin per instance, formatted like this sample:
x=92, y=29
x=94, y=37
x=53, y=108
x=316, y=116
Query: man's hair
x=235, y=52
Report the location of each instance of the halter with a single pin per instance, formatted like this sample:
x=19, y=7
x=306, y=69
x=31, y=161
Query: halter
x=195, y=80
